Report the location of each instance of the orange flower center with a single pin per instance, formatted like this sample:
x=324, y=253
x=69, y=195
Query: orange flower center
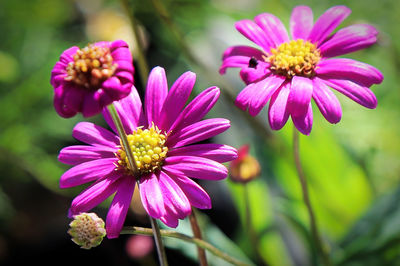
x=91, y=66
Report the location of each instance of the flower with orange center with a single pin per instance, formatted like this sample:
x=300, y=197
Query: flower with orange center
x=85, y=80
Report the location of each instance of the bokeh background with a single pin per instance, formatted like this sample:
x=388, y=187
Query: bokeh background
x=353, y=168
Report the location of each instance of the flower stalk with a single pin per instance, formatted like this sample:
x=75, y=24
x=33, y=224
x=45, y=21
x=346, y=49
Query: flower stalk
x=162, y=257
x=197, y=234
x=141, y=59
x=199, y=242
x=124, y=139
x=313, y=223
x=131, y=161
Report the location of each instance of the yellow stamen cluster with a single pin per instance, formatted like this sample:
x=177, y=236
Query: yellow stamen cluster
x=148, y=149
x=294, y=58
x=91, y=66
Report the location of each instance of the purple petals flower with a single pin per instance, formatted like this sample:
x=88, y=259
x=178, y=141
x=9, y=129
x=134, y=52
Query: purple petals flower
x=289, y=73
x=162, y=137
x=85, y=80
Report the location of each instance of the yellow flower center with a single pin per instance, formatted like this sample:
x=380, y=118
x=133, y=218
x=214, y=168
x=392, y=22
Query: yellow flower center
x=91, y=66
x=294, y=58
x=148, y=149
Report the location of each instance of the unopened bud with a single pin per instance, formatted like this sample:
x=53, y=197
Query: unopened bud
x=87, y=230
x=245, y=168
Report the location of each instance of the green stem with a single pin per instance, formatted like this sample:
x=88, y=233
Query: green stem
x=141, y=59
x=162, y=257
x=197, y=234
x=313, y=223
x=132, y=165
x=124, y=139
x=199, y=242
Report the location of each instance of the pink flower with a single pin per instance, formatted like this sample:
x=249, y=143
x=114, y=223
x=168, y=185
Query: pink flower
x=161, y=137
x=85, y=80
x=288, y=73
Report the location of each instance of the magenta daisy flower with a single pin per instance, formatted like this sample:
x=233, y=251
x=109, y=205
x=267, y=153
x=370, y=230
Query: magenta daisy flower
x=85, y=80
x=288, y=73
x=162, y=138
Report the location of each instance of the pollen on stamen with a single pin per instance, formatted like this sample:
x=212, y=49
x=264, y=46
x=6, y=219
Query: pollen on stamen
x=148, y=148
x=294, y=58
x=91, y=66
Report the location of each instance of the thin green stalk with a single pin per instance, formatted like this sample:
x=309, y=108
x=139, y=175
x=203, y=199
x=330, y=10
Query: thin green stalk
x=197, y=234
x=132, y=166
x=124, y=139
x=313, y=223
x=162, y=257
x=199, y=242
x=141, y=59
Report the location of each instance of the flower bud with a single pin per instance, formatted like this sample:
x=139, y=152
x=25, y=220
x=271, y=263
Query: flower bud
x=87, y=230
x=245, y=168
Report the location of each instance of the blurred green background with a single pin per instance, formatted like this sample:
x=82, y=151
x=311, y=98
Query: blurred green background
x=353, y=167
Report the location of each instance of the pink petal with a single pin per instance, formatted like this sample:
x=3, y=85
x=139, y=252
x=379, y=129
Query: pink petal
x=217, y=152
x=114, y=89
x=123, y=65
x=278, y=112
x=95, y=135
x=326, y=101
x=197, y=108
x=254, y=33
x=86, y=172
x=118, y=44
x=301, y=22
x=327, y=23
x=156, y=92
x=199, y=131
x=67, y=55
x=354, y=91
x=300, y=95
x=344, y=68
x=263, y=93
x=170, y=219
x=91, y=104
x=120, y=51
x=304, y=122
x=243, y=50
x=151, y=196
x=174, y=198
x=61, y=108
x=196, y=167
x=349, y=39
x=81, y=153
x=245, y=97
x=196, y=195
x=95, y=194
x=234, y=61
x=124, y=76
x=176, y=99
x=119, y=207
x=250, y=74
x=58, y=74
x=273, y=28
x=73, y=98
